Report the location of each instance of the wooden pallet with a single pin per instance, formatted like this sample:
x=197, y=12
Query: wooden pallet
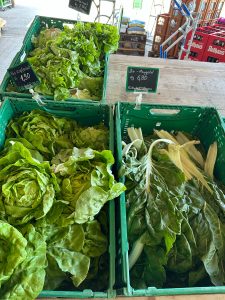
x=132, y=44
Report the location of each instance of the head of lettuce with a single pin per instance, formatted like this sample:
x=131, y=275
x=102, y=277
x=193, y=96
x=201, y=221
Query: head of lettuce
x=27, y=184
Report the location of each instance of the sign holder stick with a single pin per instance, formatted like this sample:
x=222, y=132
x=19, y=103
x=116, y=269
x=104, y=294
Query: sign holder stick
x=138, y=100
x=38, y=99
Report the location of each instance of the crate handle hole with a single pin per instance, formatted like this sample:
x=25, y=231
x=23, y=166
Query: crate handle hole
x=68, y=25
x=164, y=111
x=158, y=124
x=60, y=109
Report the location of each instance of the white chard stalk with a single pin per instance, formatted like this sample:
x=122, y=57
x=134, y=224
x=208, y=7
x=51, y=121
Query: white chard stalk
x=149, y=161
x=211, y=160
x=191, y=149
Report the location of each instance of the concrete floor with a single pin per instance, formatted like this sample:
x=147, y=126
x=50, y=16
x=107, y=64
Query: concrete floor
x=13, y=33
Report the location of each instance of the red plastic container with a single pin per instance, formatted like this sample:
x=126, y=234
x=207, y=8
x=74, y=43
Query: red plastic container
x=198, y=45
x=215, y=48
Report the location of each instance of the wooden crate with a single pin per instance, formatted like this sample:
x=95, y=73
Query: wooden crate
x=132, y=44
x=162, y=24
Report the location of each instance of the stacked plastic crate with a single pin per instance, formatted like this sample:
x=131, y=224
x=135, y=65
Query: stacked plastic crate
x=208, y=44
x=192, y=7
x=215, y=48
x=210, y=10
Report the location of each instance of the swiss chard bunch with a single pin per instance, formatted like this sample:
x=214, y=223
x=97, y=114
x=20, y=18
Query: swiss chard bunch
x=175, y=212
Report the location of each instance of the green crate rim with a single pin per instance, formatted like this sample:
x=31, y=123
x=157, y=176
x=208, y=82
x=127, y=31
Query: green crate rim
x=127, y=289
x=52, y=107
x=16, y=60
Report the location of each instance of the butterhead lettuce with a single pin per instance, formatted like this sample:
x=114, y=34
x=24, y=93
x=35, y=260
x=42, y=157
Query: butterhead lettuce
x=86, y=181
x=26, y=259
x=28, y=186
x=55, y=177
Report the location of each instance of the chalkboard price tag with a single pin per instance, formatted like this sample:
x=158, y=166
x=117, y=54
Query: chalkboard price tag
x=141, y=79
x=23, y=76
x=83, y=6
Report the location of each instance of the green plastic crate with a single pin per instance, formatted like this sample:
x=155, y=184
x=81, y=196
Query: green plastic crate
x=203, y=122
x=87, y=115
x=5, y=3
x=39, y=23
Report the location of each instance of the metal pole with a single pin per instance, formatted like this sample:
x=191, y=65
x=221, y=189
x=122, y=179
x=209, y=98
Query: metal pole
x=188, y=28
x=194, y=27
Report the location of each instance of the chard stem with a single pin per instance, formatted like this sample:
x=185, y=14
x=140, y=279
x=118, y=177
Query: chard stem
x=135, y=253
x=149, y=161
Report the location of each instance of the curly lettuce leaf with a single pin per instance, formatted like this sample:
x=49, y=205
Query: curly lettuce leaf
x=95, y=137
x=72, y=58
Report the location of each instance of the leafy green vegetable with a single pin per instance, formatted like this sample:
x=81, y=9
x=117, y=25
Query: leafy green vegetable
x=49, y=134
x=57, y=69
x=45, y=132
x=72, y=262
x=53, y=226
x=87, y=182
x=45, y=36
x=93, y=137
x=73, y=59
x=175, y=224
x=27, y=279
x=12, y=250
x=95, y=242
x=69, y=248
x=28, y=186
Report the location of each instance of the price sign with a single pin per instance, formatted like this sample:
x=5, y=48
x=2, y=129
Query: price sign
x=141, y=79
x=83, y=6
x=23, y=76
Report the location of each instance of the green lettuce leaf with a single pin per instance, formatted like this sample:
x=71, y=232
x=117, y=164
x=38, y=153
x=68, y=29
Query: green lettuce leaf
x=12, y=250
x=72, y=58
x=72, y=262
x=95, y=242
x=87, y=182
x=47, y=133
x=28, y=186
x=28, y=277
